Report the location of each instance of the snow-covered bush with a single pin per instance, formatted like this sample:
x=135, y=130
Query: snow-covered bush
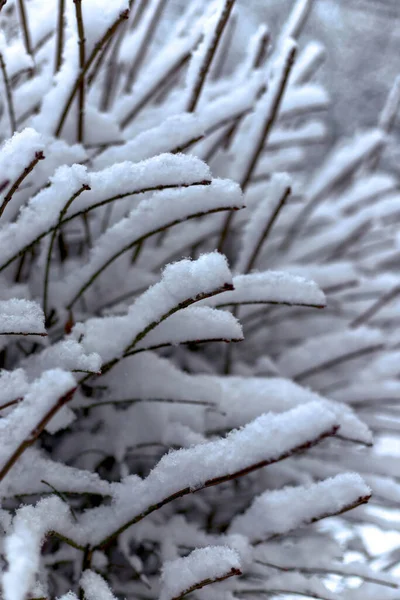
x=146, y=217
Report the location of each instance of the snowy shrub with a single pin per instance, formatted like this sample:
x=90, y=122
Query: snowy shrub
x=147, y=216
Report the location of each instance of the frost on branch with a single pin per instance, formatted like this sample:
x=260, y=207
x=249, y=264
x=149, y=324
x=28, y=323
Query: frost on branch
x=280, y=511
x=201, y=567
x=164, y=189
x=21, y=317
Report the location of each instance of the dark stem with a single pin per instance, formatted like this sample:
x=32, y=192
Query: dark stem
x=131, y=244
x=208, y=581
x=158, y=85
x=336, y=361
x=32, y=437
x=60, y=35
x=268, y=227
x=257, y=149
x=184, y=304
x=38, y=156
x=94, y=206
x=10, y=103
x=82, y=60
x=209, y=55
x=326, y=571
x=25, y=27
x=145, y=45
x=216, y=481
x=50, y=249
x=96, y=50
x=376, y=307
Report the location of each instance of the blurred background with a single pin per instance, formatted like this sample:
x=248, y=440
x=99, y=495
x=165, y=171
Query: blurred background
x=362, y=40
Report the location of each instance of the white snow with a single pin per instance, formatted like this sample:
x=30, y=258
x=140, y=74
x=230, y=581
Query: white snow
x=18, y=316
x=260, y=219
x=95, y=587
x=17, y=152
x=42, y=212
x=173, y=133
x=323, y=349
x=127, y=178
x=22, y=547
x=184, y=281
x=275, y=287
x=67, y=354
x=162, y=210
x=42, y=396
x=243, y=398
x=281, y=511
x=204, y=564
x=194, y=324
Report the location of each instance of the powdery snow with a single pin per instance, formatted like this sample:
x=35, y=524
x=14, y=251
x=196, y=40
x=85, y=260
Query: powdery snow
x=200, y=567
x=95, y=587
x=21, y=422
x=281, y=511
x=152, y=215
x=182, y=282
x=274, y=287
x=23, y=317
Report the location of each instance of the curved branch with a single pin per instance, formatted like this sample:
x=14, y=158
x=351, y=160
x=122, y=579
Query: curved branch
x=38, y=156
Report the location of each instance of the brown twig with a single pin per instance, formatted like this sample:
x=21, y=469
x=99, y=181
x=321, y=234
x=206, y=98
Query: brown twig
x=145, y=45
x=38, y=156
x=25, y=27
x=133, y=243
x=31, y=439
x=154, y=90
x=262, y=140
x=96, y=50
x=209, y=55
x=60, y=35
x=326, y=571
x=10, y=103
x=82, y=60
x=267, y=229
x=336, y=361
x=11, y=403
x=184, y=304
x=376, y=307
x=216, y=481
x=82, y=189
x=92, y=207
x=208, y=581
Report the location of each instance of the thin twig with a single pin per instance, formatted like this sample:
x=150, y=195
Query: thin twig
x=184, y=304
x=328, y=571
x=60, y=35
x=133, y=243
x=267, y=229
x=209, y=55
x=10, y=103
x=376, y=307
x=51, y=244
x=208, y=581
x=96, y=50
x=154, y=90
x=93, y=207
x=32, y=437
x=262, y=140
x=145, y=45
x=82, y=60
x=25, y=28
x=215, y=481
x=130, y=401
x=336, y=361
x=38, y=156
